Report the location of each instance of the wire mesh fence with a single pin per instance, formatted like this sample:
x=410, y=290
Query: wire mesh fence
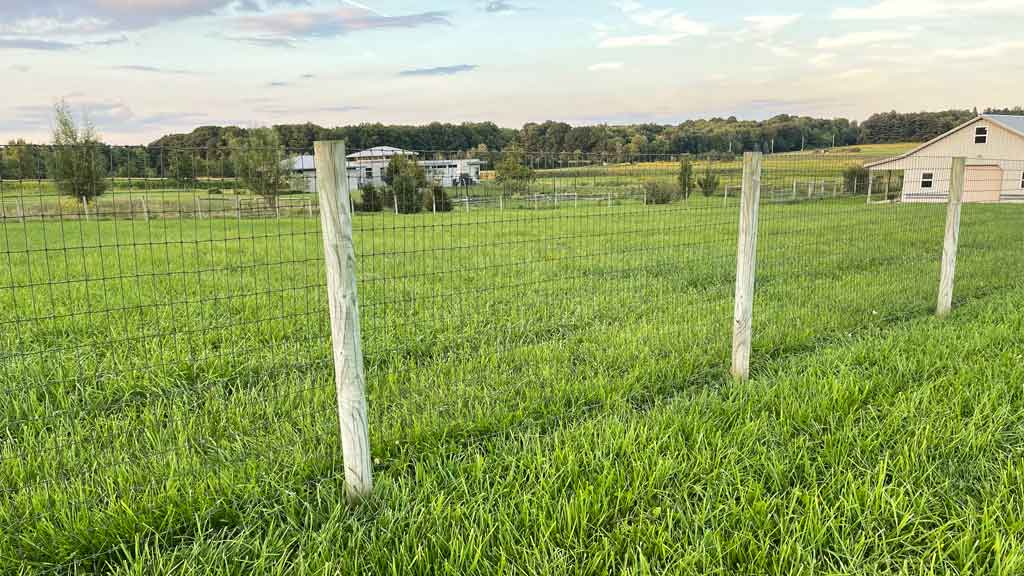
x=165, y=343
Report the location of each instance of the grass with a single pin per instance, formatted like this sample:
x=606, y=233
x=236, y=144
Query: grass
x=547, y=392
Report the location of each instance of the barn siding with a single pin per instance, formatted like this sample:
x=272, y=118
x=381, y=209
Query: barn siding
x=1002, y=147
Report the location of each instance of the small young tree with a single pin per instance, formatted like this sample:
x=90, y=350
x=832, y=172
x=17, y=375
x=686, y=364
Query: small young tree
x=371, y=200
x=77, y=164
x=855, y=179
x=437, y=199
x=259, y=162
x=182, y=166
x=685, y=177
x=708, y=182
x=513, y=173
x=406, y=181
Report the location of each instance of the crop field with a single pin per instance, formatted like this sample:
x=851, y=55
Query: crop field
x=548, y=394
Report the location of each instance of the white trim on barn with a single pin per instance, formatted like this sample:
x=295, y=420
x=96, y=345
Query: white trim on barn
x=994, y=162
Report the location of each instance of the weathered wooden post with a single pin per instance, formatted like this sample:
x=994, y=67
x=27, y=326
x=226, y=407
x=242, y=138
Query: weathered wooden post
x=742, y=336
x=952, y=242
x=145, y=210
x=340, y=260
x=21, y=211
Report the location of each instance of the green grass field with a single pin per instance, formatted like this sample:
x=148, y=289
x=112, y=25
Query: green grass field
x=548, y=395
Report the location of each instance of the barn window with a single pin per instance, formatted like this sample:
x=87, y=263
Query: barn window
x=927, y=179
x=1022, y=180
x=369, y=173
x=981, y=135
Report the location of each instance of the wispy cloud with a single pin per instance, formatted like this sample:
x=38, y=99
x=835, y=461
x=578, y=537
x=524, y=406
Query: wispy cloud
x=866, y=38
x=927, y=9
x=325, y=24
x=606, y=66
x=35, y=44
x=668, y=27
x=500, y=7
x=766, y=26
x=107, y=115
x=151, y=69
x=993, y=50
x=440, y=70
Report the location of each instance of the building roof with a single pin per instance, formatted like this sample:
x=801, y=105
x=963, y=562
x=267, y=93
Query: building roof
x=380, y=152
x=1011, y=123
x=304, y=163
x=1014, y=124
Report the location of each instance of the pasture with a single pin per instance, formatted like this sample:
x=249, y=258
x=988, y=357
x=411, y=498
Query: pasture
x=548, y=394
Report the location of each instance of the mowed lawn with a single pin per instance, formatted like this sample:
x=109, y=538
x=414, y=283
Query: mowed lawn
x=548, y=395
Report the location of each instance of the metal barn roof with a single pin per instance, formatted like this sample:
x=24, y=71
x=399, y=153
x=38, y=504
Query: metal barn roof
x=1014, y=123
x=380, y=152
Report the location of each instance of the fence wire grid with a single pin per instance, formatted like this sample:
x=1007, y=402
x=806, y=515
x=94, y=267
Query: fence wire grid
x=165, y=338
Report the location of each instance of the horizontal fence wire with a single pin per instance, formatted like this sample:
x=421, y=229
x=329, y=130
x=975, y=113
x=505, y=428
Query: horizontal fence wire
x=164, y=329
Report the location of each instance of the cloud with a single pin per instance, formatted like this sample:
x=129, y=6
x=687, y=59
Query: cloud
x=262, y=42
x=35, y=44
x=823, y=60
x=867, y=38
x=500, y=7
x=440, y=70
x=340, y=22
x=927, y=9
x=853, y=74
x=769, y=25
x=779, y=50
x=47, y=18
x=20, y=68
x=151, y=69
x=993, y=50
x=278, y=84
x=108, y=115
x=668, y=27
x=606, y=66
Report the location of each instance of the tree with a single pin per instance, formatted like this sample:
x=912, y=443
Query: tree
x=436, y=199
x=371, y=200
x=182, y=166
x=406, y=181
x=512, y=172
x=686, y=174
x=855, y=179
x=77, y=164
x=708, y=182
x=260, y=163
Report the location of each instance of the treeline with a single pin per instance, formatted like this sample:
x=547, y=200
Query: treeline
x=299, y=138
x=203, y=151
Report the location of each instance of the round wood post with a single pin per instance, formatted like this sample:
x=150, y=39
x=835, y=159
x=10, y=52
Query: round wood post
x=340, y=260
x=952, y=241
x=746, y=260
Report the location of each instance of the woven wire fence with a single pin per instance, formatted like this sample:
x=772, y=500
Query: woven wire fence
x=164, y=334
x=164, y=346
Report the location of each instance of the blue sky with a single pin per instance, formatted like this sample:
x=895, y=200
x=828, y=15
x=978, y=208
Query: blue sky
x=142, y=68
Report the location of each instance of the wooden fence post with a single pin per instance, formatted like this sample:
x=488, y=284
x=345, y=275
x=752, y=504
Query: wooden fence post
x=340, y=259
x=742, y=336
x=145, y=210
x=952, y=242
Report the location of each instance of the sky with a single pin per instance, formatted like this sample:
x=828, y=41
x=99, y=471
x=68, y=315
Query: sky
x=143, y=68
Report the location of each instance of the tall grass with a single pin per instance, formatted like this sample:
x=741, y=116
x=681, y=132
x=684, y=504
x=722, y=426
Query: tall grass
x=547, y=392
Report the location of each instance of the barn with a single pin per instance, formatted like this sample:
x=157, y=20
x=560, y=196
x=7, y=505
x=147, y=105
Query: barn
x=993, y=146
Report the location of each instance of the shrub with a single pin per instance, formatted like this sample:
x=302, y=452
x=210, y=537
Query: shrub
x=406, y=181
x=855, y=179
x=685, y=178
x=436, y=199
x=708, y=181
x=659, y=193
x=371, y=198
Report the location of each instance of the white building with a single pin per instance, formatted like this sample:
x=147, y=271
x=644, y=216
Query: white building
x=371, y=166
x=994, y=148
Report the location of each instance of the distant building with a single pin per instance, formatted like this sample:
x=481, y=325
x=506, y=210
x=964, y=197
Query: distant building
x=994, y=148
x=370, y=166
